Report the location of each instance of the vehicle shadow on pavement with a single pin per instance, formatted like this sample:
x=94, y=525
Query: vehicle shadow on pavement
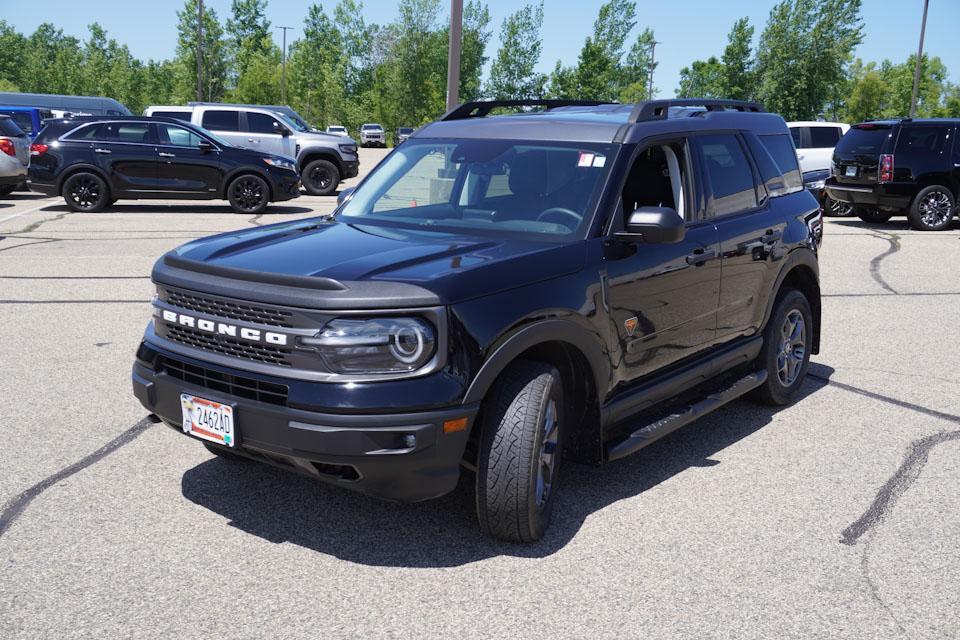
x=281, y=507
x=188, y=208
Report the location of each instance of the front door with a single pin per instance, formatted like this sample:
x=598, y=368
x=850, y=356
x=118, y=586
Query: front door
x=264, y=133
x=182, y=166
x=663, y=297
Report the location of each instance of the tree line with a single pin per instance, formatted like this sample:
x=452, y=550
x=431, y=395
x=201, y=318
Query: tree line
x=343, y=70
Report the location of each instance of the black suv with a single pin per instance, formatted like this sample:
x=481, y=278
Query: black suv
x=899, y=167
x=495, y=303
x=94, y=161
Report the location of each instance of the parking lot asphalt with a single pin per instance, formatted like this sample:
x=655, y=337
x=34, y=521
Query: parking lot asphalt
x=837, y=517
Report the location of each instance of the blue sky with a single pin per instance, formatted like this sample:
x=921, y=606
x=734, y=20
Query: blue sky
x=687, y=30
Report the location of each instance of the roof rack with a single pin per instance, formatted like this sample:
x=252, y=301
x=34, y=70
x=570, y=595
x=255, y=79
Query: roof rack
x=480, y=108
x=659, y=109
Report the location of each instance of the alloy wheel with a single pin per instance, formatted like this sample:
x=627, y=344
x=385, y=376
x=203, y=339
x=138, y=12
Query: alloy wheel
x=321, y=178
x=793, y=347
x=85, y=192
x=838, y=208
x=248, y=193
x=547, y=458
x=935, y=208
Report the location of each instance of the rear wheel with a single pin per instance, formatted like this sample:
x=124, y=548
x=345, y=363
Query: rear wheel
x=932, y=209
x=872, y=215
x=786, y=349
x=520, y=452
x=320, y=177
x=86, y=192
x=249, y=194
x=838, y=208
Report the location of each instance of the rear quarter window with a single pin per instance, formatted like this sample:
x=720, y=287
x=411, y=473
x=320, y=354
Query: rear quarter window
x=781, y=149
x=922, y=140
x=824, y=137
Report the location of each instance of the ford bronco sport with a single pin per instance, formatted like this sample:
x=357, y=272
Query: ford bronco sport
x=502, y=293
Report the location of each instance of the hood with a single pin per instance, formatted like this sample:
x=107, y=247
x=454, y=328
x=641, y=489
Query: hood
x=453, y=267
x=323, y=136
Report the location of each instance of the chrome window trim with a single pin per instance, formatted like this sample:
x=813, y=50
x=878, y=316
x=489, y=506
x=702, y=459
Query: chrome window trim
x=63, y=137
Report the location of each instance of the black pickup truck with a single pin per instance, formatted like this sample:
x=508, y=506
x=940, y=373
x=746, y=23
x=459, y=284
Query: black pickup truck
x=503, y=292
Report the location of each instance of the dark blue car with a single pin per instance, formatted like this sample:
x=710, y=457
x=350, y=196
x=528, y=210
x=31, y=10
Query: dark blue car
x=30, y=119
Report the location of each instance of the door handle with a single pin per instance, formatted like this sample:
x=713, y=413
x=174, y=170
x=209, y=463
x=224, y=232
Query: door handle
x=699, y=256
x=253, y=140
x=99, y=150
x=163, y=154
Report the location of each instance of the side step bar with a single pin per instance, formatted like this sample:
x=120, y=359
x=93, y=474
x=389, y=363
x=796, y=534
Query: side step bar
x=670, y=423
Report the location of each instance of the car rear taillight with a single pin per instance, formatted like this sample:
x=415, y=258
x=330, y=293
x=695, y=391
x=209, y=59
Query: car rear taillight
x=886, y=167
x=37, y=149
x=6, y=145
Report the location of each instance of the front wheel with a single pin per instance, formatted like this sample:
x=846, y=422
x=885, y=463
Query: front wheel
x=871, y=215
x=520, y=452
x=932, y=209
x=786, y=349
x=86, y=192
x=320, y=178
x=249, y=194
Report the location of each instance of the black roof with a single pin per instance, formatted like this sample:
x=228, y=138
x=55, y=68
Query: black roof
x=889, y=122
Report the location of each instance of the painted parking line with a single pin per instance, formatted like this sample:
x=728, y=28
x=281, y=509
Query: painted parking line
x=23, y=213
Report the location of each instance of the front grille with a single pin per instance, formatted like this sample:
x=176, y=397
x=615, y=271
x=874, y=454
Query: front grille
x=229, y=346
x=234, y=310
x=238, y=386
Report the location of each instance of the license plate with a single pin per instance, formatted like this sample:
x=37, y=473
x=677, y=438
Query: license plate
x=851, y=172
x=207, y=419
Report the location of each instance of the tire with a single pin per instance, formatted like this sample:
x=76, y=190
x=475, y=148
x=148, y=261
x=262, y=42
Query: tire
x=520, y=452
x=873, y=216
x=248, y=194
x=320, y=177
x=837, y=209
x=7, y=189
x=786, y=367
x=223, y=452
x=933, y=209
x=85, y=192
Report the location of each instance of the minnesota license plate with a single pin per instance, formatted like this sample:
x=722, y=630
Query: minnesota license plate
x=851, y=172
x=207, y=419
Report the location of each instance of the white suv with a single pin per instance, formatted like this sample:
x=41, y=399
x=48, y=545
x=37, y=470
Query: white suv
x=372, y=135
x=815, y=142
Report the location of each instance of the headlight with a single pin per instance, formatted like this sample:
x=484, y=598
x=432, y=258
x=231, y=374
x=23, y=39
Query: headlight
x=348, y=148
x=282, y=163
x=816, y=184
x=376, y=345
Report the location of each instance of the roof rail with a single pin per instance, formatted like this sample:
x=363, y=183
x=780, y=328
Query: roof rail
x=480, y=108
x=659, y=109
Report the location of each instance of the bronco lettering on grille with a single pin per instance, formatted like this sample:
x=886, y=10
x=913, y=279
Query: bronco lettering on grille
x=221, y=328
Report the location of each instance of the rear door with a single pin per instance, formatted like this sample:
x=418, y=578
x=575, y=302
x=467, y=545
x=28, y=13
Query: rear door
x=182, y=166
x=856, y=158
x=126, y=153
x=226, y=125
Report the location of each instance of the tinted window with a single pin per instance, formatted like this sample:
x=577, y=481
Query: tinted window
x=221, y=120
x=176, y=115
x=89, y=132
x=921, y=140
x=731, y=176
x=22, y=118
x=262, y=123
x=177, y=136
x=9, y=128
x=797, y=134
x=781, y=149
x=824, y=137
x=114, y=132
x=867, y=140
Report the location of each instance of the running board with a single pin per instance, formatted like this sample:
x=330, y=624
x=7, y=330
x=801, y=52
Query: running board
x=670, y=423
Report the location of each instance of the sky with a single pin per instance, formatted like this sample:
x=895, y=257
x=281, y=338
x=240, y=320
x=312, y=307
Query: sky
x=687, y=30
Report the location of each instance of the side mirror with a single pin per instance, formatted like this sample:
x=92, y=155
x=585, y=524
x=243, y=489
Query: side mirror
x=654, y=225
x=345, y=195
x=204, y=146
x=282, y=130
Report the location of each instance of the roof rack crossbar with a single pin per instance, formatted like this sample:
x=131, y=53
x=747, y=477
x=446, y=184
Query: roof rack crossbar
x=480, y=108
x=659, y=109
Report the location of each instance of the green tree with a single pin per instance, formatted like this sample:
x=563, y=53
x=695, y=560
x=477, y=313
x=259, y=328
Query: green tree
x=317, y=70
x=739, y=80
x=12, y=48
x=476, y=35
x=513, y=73
x=214, y=66
x=635, y=85
x=248, y=34
x=702, y=79
x=867, y=95
x=260, y=81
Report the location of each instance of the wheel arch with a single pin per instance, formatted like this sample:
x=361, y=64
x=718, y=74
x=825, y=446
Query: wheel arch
x=83, y=168
x=308, y=156
x=245, y=171
x=802, y=273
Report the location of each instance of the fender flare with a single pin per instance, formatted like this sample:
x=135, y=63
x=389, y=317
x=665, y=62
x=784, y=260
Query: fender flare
x=321, y=153
x=802, y=257
x=530, y=335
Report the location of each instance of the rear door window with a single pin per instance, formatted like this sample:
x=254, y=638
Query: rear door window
x=221, y=120
x=730, y=174
x=781, y=149
x=135, y=132
x=824, y=137
x=177, y=115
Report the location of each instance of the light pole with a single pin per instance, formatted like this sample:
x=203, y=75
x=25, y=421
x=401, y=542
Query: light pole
x=283, y=73
x=916, y=70
x=453, y=55
x=653, y=64
x=200, y=51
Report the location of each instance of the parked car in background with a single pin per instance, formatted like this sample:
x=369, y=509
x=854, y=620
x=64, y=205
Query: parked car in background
x=30, y=119
x=401, y=135
x=815, y=183
x=372, y=135
x=815, y=142
x=14, y=155
x=899, y=167
x=285, y=110
x=94, y=105
x=322, y=159
x=93, y=161
x=337, y=130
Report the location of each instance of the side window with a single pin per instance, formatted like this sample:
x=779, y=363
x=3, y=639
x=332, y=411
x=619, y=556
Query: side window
x=658, y=179
x=221, y=120
x=176, y=115
x=136, y=132
x=915, y=141
x=783, y=153
x=177, y=136
x=730, y=174
x=89, y=132
x=262, y=123
x=824, y=137
x=797, y=134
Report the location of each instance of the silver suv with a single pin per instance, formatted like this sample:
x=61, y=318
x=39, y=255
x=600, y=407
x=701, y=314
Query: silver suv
x=14, y=155
x=372, y=135
x=323, y=160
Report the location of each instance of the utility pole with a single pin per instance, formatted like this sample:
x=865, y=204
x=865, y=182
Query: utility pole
x=200, y=51
x=652, y=65
x=916, y=71
x=453, y=55
x=283, y=57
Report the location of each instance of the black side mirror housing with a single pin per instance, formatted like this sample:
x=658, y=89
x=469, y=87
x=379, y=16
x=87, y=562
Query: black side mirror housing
x=205, y=146
x=282, y=130
x=344, y=195
x=654, y=225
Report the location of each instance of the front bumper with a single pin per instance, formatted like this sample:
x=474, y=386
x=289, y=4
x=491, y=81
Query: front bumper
x=364, y=452
x=286, y=184
x=350, y=168
x=884, y=196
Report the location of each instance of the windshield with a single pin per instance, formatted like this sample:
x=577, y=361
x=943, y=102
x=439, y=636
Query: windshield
x=371, y=127
x=497, y=186
x=294, y=123
x=405, y=130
